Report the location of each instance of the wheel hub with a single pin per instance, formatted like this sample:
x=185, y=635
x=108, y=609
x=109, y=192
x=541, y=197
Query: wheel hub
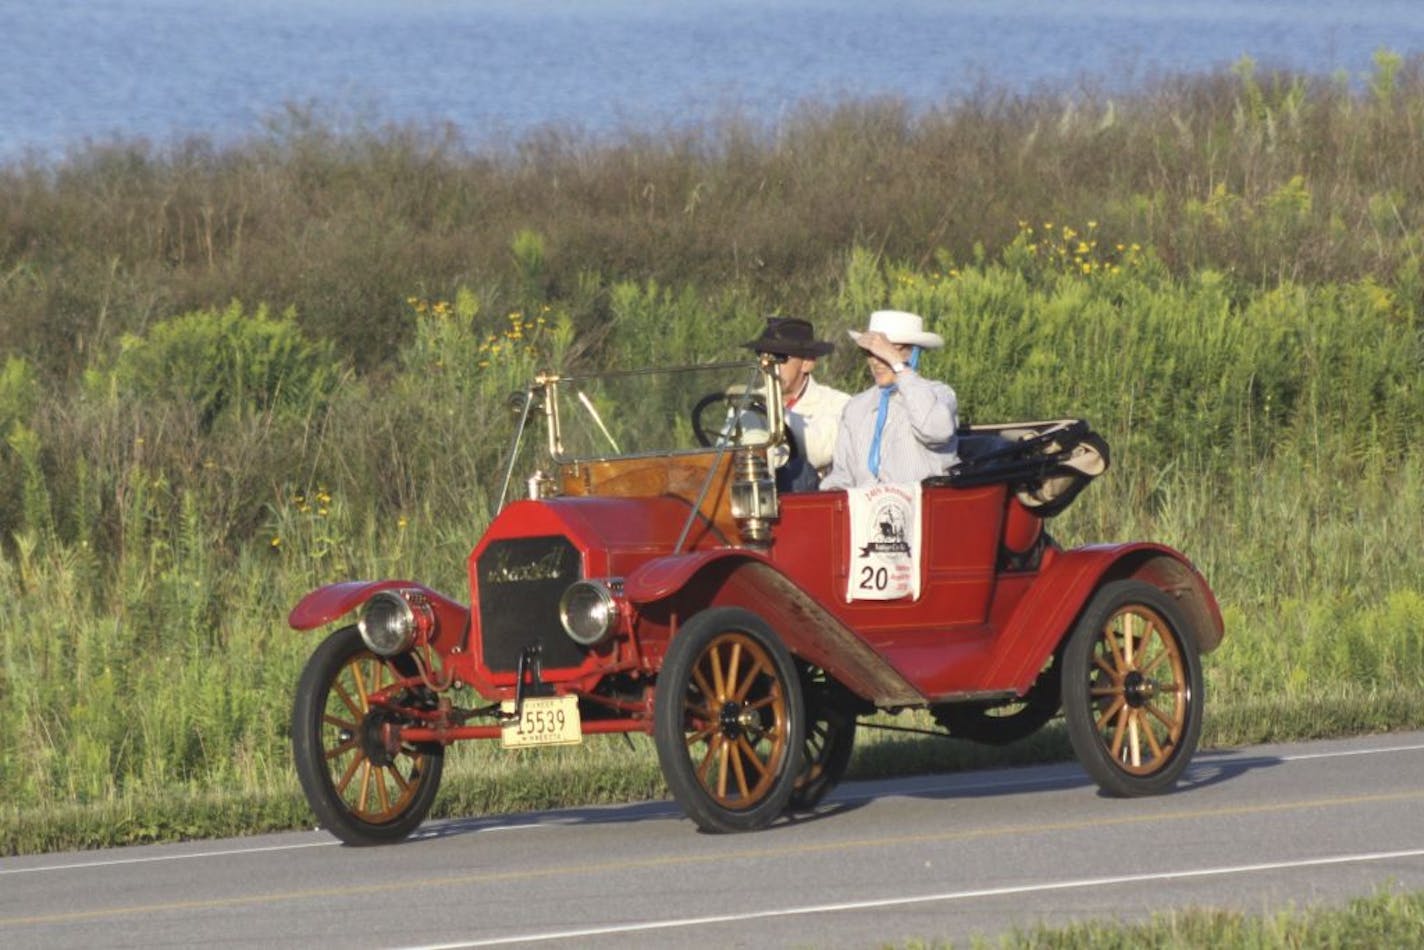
x=378, y=737
x=737, y=720
x=1138, y=689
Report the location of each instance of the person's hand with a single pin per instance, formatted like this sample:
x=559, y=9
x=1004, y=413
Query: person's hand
x=876, y=344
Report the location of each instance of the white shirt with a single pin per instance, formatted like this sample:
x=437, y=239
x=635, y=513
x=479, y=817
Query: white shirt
x=919, y=439
x=814, y=419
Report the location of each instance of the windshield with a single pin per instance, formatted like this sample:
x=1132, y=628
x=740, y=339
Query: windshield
x=658, y=412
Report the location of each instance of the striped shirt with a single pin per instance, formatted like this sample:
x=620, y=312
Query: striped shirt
x=919, y=439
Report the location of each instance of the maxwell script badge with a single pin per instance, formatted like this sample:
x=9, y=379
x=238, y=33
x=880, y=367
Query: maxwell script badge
x=884, y=542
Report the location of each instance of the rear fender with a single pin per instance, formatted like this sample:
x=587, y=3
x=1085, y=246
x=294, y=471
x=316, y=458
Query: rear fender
x=745, y=579
x=1068, y=581
x=329, y=603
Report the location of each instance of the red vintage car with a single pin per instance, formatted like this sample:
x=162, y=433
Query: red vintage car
x=654, y=579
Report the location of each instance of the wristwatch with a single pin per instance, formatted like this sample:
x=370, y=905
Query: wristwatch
x=898, y=367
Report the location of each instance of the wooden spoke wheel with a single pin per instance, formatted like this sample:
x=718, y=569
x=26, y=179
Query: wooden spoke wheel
x=728, y=721
x=1132, y=689
x=827, y=746
x=365, y=786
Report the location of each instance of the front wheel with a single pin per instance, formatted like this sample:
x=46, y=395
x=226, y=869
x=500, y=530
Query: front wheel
x=729, y=721
x=1132, y=690
x=362, y=789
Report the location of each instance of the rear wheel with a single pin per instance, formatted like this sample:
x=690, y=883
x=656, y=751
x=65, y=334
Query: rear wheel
x=363, y=789
x=826, y=748
x=728, y=721
x=1132, y=690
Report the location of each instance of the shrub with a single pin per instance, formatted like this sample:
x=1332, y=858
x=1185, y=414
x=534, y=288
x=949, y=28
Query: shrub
x=227, y=362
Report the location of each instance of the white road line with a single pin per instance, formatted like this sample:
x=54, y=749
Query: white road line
x=1301, y=757
x=921, y=899
x=114, y=862
x=1203, y=759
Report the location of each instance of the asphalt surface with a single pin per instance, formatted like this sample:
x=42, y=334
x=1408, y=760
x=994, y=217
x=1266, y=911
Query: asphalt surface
x=936, y=857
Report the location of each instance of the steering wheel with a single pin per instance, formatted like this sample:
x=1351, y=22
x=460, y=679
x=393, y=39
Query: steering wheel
x=735, y=406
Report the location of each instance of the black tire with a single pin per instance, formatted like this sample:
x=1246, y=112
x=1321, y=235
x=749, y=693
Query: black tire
x=1003, y=723
x=729, y=721
x=828, y=743
x=359, y=792
x=1132, y=690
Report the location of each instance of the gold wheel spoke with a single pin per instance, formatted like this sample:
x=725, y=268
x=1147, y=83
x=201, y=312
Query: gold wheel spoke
x=1157, y=661
x=1103, y=665
x=347, y=700
x=700, y=735
x=1134, y=740
x=1119, y=730
x=1152, y=742
x=764, y=702
x=724, y=753
x=739, y=772
x=1170, y=722
x=731, y=671
x=1101, y=691
x=382, y=796
x=719, y=682
x=758, y=665
x=698, y=710
x=361, y=691
x=709, y=695
x=339, y=723
x=1129, y=639
x=350, y=773
x=705, y=766
x=1110, y=638
x=1112, y=710
x=363, y=795
x=752, y=756
x=342, y=749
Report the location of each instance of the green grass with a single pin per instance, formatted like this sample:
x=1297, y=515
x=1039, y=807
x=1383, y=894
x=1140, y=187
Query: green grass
x=231, y=376
x=1388, y=920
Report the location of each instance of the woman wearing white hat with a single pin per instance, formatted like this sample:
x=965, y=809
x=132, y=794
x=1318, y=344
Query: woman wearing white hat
x=902, y=429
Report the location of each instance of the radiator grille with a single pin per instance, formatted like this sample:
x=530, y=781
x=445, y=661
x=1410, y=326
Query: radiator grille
x=521, y=580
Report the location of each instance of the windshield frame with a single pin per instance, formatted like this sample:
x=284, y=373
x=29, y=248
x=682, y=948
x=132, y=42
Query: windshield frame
x=761, y=381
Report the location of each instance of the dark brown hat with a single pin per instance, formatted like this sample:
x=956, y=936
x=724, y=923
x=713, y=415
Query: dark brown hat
x=789, y=336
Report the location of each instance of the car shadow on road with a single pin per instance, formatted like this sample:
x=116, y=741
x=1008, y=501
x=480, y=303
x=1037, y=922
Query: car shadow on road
x=587, y=815
x=608, y=815
x=1223, y=766
x=1206, y=770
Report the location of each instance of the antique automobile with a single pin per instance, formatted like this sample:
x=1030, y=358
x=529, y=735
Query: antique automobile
x=653, y=579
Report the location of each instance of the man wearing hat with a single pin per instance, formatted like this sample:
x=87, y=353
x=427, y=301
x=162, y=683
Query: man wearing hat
x=813, y=411
x=902, y=429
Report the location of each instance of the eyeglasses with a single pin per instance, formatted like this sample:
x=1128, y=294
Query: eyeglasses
x=776, y=357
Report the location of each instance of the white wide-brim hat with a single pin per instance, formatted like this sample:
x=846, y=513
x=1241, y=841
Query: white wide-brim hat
x=900, y=327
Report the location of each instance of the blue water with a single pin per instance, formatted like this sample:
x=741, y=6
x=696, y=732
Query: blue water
x=76, y=71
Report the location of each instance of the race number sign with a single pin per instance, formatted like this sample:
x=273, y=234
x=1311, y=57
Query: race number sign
x=884, y=542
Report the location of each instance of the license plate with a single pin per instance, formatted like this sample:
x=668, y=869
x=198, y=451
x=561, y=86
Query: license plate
x=546, y=720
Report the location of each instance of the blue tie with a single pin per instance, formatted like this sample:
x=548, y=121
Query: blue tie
x=880, y=413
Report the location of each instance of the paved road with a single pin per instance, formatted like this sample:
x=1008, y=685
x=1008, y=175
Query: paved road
x=937, y=857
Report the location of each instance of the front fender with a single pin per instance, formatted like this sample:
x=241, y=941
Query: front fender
x=1068, y=581
x=325, y=604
